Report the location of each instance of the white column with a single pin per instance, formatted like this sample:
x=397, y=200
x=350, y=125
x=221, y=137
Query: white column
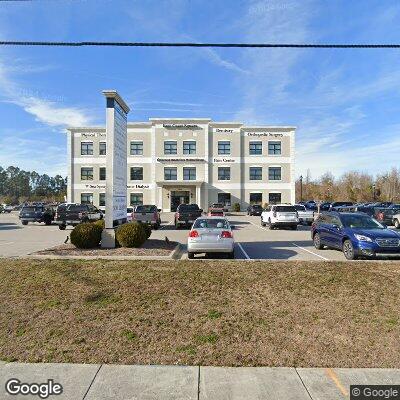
x=153, y=164
x=70, y=180
x=198, y=197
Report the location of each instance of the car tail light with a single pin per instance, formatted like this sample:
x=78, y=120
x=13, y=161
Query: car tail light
x=226, y=235
x=80, y=215
x=177, y=215
x=155, y=216
x=193, y=234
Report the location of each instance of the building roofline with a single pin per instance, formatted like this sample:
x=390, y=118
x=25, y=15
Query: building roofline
x=234, y=123
x=180, y=119
x=86, y=128
x=269, y=127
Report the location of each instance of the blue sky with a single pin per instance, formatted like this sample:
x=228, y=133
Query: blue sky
x=345, y=103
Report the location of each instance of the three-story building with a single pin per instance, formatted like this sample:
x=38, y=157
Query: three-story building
x=173, y=161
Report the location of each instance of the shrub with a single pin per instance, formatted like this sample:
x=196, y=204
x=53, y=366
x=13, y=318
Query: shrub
x=147, y=229
x=236, y=207
x=132, y=234
x=100, y=223
x=86, y=235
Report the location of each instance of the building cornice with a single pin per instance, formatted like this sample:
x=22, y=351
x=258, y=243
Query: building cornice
x=113, y=94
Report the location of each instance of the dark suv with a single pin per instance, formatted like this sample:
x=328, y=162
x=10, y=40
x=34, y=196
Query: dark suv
x=356, y=234
x=186, y=214
x=36, y=213
x=254, y=209
x=74, y=214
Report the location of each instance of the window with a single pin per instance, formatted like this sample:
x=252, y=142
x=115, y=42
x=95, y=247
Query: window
x=255, y=173
x=102, y=148
x=274, y=198
x=170, y=147
x=189, y=147
x=189, y=173
x=224, y=199
x=224, y=147
x=274, y=148
x=274, y=173
x=255, y=148
x=136, y=199
x=136, y=148
x=87, y=148
x=255, y=198
x=170, y=174
x=86, y=198
x=136, y=173
x=102, y=173
x=87, y=173
x=224, y=173
x=102, y=200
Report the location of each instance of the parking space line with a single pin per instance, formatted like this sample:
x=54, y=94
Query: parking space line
x=3, y=244
x=331, y=373
x=243, y=251
x=311, y=252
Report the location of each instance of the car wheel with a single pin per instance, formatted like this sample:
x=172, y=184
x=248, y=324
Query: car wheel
x=262, y=222
x=231, y=255
x=156, y=226
x=317, y=242
x=190, y=255
x=62, y=227
x=348, y=250
x=396, y=224
x=294, y=227
x=270, y=226
x=24, y=222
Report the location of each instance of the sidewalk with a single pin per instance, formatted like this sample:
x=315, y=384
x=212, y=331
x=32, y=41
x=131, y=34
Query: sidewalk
x=128, y=382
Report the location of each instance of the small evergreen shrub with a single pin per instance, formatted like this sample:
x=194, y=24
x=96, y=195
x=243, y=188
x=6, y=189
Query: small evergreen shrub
x=236, y=207
x=132, y=234
x=86, y=235
x=147, y=229
x=100, y=223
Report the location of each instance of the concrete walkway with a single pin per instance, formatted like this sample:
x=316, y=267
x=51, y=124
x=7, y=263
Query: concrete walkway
x=136, y=382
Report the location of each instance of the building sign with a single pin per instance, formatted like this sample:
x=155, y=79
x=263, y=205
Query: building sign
x=93, y=135
x=181, y=126
x=223, y=130
x=224, y=160
x=116, y=129
x=140, y=186
x=264, y=134
x=180, y=159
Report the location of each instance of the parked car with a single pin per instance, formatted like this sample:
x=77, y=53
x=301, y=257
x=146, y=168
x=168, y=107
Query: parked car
x=305, y=216
x=7, y=208
x=255, y=209
x=396, y=221
x=311, y=205
x=36, y=213
x=74, y=214
x=211, y=235
x=280, y=215
x=186, y=214
x=324, y=206
x=129, y=212
x=216, y=212
x=147, y=214
x=385, y=215
x=219, y=205
x=356, y=234
x=337, y=204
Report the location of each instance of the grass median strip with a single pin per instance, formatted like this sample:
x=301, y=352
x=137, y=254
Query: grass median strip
x=306, y=314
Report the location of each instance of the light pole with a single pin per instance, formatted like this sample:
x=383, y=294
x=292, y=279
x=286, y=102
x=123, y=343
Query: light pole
x=301, y=187
x=373, y=191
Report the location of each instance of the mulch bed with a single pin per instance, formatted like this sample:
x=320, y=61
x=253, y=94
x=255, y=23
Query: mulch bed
x=152, y=247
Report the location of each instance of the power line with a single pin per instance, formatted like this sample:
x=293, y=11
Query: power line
x=189, y=44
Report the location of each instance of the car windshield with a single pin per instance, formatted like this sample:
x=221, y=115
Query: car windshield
x=299, y=208
x=146, y=208
x=129, y=210
x=257, y=207
x=188, y=207
x=217, y=205
x=28, y=209
x=360, y=221
x=203, y=223
x=77, y=208
x=285, y=209
x=342, y=203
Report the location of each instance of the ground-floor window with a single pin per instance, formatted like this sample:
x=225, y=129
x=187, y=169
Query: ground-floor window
x=87, y=198
x=102, y=199
x=255, y=198
x=225, y=199
x=275, y=198
x=136, y=199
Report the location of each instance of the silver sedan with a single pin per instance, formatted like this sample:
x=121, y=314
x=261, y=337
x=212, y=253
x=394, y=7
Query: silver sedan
x=211, y=235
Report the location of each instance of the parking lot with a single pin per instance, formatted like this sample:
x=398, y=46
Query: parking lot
x=252, y=240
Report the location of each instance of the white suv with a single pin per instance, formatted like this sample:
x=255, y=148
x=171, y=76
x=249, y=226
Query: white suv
x=280, y=215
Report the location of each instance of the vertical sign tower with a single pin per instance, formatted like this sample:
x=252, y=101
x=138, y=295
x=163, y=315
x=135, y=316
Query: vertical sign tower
x=116, y=165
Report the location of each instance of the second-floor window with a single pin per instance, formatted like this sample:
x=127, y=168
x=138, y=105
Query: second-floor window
x=170, y=147
x=87, y=173
x=102, y=148
x=255, y=148
x=136, y=173
x=170, y=173
x=189, y=147
x=274, y=173
x=255, y=173
x=136, y=148
x=86, y=148
x=224, y=147
x=136, y=199
x=102, y=173
x=189, y=173
x=274, y=148
x=224, y=173
x=102, y=199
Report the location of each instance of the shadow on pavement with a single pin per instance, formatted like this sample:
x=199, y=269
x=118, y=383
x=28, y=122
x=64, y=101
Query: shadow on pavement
x=7, y=226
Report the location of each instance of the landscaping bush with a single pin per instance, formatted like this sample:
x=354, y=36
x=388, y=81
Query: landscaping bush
x=100, y=223
x=147, y=229
x=86, y=235
x=132, y=234
x=236, y=207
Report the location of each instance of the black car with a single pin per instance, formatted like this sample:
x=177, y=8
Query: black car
x=186, y=214
x=254, y=209
x=74, y=214
x=335, y=206
x=36, y=213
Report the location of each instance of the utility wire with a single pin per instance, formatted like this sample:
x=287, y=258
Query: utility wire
x=189, y=44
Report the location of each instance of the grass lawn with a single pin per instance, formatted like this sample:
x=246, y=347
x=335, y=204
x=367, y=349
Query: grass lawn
x=209, y=313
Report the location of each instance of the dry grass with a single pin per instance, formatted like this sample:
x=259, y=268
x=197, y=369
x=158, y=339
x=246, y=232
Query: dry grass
x=208, y=313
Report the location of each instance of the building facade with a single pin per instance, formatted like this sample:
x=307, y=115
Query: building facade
x=173, y=161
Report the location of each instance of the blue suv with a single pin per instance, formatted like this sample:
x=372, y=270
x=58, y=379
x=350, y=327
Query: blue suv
x=356, y=234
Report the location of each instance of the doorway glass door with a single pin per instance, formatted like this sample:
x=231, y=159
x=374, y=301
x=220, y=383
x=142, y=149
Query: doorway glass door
x=179, y=198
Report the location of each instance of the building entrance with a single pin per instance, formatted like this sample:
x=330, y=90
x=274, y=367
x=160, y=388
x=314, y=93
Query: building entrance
x=177, y=198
